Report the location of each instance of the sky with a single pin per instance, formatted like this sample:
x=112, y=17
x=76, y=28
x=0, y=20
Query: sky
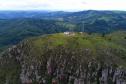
x=63, y=5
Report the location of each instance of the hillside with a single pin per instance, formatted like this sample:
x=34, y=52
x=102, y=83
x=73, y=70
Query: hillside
x=14, y=30
x=75, y=58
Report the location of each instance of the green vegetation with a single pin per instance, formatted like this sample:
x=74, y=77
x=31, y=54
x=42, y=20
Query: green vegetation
x=101, y=45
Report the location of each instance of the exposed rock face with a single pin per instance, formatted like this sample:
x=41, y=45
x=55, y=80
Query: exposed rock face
x=62, y=66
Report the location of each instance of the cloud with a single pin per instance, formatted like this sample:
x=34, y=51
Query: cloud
x=106, y=4
x=66, y=5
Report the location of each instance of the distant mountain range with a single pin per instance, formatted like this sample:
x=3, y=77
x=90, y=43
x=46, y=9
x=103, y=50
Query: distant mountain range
x=94, y=21
x=31, y=14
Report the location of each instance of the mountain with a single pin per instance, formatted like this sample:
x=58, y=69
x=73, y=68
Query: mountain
x=66, y=58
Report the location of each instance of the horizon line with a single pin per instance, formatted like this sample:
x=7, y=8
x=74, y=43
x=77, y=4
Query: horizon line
x=61, y=10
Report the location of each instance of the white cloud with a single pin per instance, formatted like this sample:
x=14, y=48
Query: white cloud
x=69, y=5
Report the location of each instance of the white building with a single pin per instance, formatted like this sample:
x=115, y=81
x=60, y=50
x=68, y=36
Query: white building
x=69, y=33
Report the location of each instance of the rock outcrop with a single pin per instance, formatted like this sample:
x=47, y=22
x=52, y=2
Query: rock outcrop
x=61, y=66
